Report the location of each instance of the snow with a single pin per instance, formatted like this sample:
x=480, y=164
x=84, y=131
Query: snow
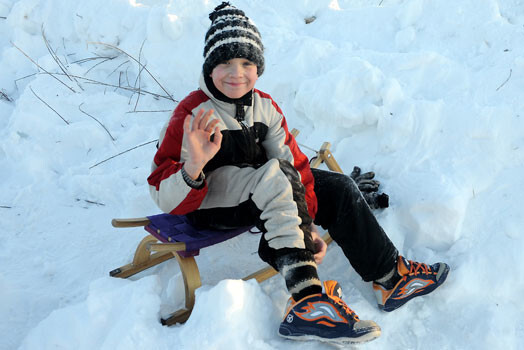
x=427, y=94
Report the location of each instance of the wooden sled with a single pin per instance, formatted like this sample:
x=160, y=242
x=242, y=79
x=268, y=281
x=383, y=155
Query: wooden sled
x=179, y=239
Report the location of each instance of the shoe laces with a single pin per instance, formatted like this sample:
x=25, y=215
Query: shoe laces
x=341, y=304
x=418, y=268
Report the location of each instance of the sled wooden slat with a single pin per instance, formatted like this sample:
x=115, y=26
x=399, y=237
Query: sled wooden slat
x=262, y=274
x=137, y=222
x=167, y=247
x=184, y=242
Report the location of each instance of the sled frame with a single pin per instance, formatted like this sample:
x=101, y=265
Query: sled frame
x=150, y=252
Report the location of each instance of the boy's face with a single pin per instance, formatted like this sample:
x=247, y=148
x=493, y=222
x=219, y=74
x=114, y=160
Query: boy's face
x=235, y=78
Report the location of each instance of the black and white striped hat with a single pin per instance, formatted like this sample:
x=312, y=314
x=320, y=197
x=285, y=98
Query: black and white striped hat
x=232, y=35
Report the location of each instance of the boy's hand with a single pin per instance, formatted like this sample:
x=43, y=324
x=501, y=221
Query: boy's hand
x=320, y=245
x=200, y=147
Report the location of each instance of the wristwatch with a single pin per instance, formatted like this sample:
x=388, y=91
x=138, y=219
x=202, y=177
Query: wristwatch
x=196, y=184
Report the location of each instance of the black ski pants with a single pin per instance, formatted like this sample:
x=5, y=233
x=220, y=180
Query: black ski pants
x=342, y=210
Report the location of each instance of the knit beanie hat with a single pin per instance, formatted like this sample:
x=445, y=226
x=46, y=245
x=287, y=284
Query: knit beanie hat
x=232, y=35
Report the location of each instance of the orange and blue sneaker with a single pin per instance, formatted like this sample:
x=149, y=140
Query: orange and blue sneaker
x=327, y=318
x=416, y=279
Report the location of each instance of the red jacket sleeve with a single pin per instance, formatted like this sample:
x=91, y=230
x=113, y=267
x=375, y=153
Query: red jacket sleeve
x=166, y=185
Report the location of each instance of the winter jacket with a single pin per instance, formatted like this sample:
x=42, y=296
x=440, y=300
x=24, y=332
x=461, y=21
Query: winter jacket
x=252, y=134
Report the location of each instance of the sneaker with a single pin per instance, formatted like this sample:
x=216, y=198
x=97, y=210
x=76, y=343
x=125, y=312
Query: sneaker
x=327, y=318
x=416, y=279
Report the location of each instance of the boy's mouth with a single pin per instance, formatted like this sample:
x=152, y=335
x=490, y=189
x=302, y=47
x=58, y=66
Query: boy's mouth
x=234, y=84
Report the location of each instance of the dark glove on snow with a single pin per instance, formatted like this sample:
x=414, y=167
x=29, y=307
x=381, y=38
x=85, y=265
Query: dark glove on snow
x=364, y=181
x=369, y=188
x=376, y=200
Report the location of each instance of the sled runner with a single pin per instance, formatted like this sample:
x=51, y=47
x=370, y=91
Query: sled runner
x=181, y=240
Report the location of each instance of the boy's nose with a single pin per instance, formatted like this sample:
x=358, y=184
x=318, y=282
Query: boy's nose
x=236, y=69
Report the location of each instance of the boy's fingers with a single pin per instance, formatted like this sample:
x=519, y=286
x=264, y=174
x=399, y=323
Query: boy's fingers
x=196, y=121
x=217, y=140
x=187, y=121
x=203, y=122
x=202, y=119
x=211, y=126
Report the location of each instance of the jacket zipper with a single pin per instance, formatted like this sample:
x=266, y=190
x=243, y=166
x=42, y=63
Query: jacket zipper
x=240, y=117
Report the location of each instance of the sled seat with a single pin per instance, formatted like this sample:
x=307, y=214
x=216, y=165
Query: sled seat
x=181, y=240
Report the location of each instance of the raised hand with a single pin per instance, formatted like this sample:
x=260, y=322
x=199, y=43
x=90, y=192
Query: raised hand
x=199, y=144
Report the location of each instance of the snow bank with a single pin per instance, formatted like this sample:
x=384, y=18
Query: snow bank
x=427, y=95
x=122, y=314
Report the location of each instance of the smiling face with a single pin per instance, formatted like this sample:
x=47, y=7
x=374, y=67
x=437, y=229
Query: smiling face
x=235, y=78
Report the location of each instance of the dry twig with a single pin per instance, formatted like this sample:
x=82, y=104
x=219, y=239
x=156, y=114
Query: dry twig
x=3, y=96
x=91, y=202
x=139, y=77
x=99, y=63
x=88, y=59
x=160, y=111
x=89, y=115
x=96, y=82
x=140, y=64
x=59, y=63
x=44, y=102
x=22, y=78
x=116, y=155
x=114, y=70
x=504, y=83
x=40, y=67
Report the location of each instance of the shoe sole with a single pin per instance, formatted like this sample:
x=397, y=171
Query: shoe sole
x=339, y=341
x=441, y=281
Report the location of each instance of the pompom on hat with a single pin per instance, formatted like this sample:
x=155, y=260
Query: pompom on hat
x=232, y=35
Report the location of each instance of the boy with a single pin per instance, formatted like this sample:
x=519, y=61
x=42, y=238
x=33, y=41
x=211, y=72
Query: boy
x=226, y=159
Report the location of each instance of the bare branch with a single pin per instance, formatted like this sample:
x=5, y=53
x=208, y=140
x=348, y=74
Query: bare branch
x=3, y=96
x=160, y=111
x=5, y=207
x=139, y=73
x=96, y=82
x=60, y=81
x=99, y=63
x=105, y=160
x=120, y=65
x=27, y=76
x=136, y=89
x=62, y=66
x=93, y=202
x=89, y=115
x=504, y=83
x=140, y=64
x=65, y=50
x=53, y=54
x=119, y=80
x=127, y=76
x=84, y=60
x=44, y=102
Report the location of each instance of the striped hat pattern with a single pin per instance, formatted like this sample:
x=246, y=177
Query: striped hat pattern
x=232, y=35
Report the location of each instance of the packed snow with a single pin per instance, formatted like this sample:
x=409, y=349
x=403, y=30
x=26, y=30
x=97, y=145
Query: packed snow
x=427, y=94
